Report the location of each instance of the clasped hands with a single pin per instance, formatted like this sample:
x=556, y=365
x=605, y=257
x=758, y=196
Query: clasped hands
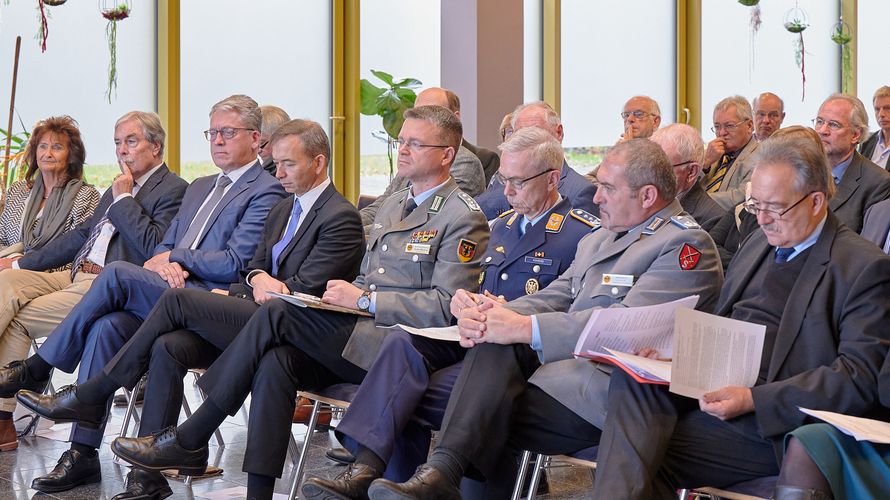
x=482, y=318
x=171, y=272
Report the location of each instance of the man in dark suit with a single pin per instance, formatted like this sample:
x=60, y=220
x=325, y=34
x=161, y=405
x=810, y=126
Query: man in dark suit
x=309, y=238
x=213, y=235
x=818, y=288
x=574, y=186
x=876, y=226
x=842, y=123
x=683, y=146
x=127, y=225
x=877, y=147
x=273, y=117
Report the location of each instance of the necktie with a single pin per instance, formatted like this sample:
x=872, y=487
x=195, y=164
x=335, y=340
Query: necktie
x=782, y=254
x=836, y=180
x=288, y=235
x=717, y=178
x=410, y=205
x=85, y=249
x=200, y=219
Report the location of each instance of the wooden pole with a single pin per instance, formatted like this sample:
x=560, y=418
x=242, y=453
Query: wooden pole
x=15, y=75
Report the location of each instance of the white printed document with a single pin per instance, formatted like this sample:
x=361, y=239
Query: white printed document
x=448, y=333
x=862, y=429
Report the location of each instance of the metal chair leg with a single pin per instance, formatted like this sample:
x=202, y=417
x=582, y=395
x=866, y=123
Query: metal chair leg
x=536, y=476
x=520, y=476
x=304, y=453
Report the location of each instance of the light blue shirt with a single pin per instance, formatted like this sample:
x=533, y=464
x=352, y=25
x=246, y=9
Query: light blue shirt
x=838, y=170
x=810, y=241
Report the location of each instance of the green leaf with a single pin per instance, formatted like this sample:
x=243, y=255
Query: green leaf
x=411, y=83
x=392, y=122
x=369, y=95
x=389, y=101
x=407, y=96
x=386, y=77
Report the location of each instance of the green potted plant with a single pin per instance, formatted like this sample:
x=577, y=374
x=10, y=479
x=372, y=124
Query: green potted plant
x=389, y=103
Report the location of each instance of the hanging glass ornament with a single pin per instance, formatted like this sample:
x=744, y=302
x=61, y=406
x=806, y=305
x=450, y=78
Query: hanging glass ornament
x=796, y=21
x=842, y=35
x=113, y=11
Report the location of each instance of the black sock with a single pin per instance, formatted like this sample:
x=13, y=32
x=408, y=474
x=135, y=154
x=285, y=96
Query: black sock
x=85, y=450
x=5, y=415
x=260, y=487
x=450, y=463
x=37, y=367
x=195, y=432
x=368, y=457
x=97, y=389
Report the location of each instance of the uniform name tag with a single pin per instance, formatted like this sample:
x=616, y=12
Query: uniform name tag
x=618, y=279
x=538, y=260
x=420, y=248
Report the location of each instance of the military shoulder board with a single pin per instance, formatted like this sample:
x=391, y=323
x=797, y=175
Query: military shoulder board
x=586, y=217
x=685, y=221
x=469, y=201
x=506, y=213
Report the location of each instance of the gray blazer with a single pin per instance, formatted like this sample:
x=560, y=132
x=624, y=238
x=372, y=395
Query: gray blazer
x=862, y=185
x=466, y=172
x=563, y=308
x=414, y=285
x=877, y=223
x=732, y=189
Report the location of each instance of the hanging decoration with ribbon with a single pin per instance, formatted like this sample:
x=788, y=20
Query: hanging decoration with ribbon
x=43, y=30
x=796, y=21
x=117, y=11
x=842, y=35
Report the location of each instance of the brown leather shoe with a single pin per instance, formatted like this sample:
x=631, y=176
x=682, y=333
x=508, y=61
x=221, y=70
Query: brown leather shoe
x=8, y=438
x=303, y=411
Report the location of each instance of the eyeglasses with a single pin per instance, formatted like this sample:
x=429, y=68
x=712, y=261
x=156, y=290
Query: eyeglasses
x=414, y=145
x=518, y=184
x=687, y=162
x=729, y=127
x=227, y=132
x=752, y=208
x=833, y=125
x=262, y=144
x=639, y=115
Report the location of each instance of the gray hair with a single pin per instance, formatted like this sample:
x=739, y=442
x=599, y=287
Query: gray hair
x=448, y=127
x=653, y=104
x=273, y=117
x=645, y=163
x=546, y=152
x=685, y=140
x=551, y=117
x=812, y=172
x=150, y=122
x=858, y=114
x=742, y=106
x=881, y=92
x=311, y=135
x=246, y=108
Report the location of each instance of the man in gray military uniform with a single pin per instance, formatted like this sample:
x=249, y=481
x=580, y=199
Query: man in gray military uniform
x=648, y=242
x=425, y=243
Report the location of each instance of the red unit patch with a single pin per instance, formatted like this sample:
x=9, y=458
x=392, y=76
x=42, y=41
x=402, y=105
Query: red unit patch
x=689, y=257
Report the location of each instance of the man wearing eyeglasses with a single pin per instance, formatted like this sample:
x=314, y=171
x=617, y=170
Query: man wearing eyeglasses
x=841, y=123
x=209, y=241
x=726, y=157
x=648, y=251
x=818, y=288
x=273, y=117
x=641, y=116
x=769, y=113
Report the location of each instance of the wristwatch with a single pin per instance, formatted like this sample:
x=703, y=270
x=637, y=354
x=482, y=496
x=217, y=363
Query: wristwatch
x=364, y=301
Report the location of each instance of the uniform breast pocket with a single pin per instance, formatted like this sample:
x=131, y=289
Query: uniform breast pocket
x=614, y=293
x=419, y=267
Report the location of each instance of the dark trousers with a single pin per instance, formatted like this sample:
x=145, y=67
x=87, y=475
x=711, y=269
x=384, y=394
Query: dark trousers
x=655, y=442
x=381, y=413
x=283, y=349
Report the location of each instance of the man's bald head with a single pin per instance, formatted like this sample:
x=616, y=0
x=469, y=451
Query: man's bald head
x=437, y=96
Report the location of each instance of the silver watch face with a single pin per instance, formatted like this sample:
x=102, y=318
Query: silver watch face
x=364, y=302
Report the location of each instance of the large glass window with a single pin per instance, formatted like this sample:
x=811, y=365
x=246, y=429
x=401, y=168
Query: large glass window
x=401, y=38
x=734, y=62
x=71, y=77
x=872, y=47
x=609, y=53
x=532, y=50
x=278, y=54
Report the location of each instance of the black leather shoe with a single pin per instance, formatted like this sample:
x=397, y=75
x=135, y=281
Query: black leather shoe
x=145, y=485
x=352, y=484
x=15, y=377
x=121, y=401
x=74, y=469
x=63, y=407
x=340, y=455
x=427, y=484
x=161, y=451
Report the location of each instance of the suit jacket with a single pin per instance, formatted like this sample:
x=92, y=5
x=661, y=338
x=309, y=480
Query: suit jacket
x=653, y=258
x=489, y=159
x=732, y=189
x=329, y=244
x=867, y=148
x=832, y=338
x=466, y=172
x=574, y=186
x=140, y=222
x=877, y=223
x=414, y=283
x=702, y=207
x=862, y=185
x=233, y=229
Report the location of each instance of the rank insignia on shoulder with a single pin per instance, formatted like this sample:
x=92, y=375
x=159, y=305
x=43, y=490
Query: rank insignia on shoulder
x=689, y=257
x=685, y=221
x=586, y=217
x=466, y=250
x=554, y=223
x=469, y=201
x=506, y=213
x=653, y=226
x=512, y=219
x=499, y=249
x=436, y=205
